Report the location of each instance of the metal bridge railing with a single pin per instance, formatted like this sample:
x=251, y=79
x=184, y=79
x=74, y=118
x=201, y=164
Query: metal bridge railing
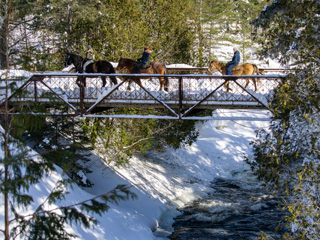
x=185, y=94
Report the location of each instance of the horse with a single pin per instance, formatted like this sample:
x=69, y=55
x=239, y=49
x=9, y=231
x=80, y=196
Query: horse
x=154, y=68
x=243, y=69
x=100, y=66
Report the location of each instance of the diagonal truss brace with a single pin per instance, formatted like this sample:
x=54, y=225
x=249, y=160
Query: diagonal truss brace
x=107, y=94
x=198, y=103
x=35, y=79
x=62, y=98
x=235, y=81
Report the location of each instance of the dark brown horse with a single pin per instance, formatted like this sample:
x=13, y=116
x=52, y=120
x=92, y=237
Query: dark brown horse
x=155, y=68
x=243, y=69
x=100, y=66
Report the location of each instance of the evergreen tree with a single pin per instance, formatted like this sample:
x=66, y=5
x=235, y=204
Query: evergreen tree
x=17, y=35
x=287, y=156
x=20, y=170
x=118, y=28
x=232, y=25
x=59, y=140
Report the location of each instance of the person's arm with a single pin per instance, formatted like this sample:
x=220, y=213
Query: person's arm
x=237, y=57
x=232, y=61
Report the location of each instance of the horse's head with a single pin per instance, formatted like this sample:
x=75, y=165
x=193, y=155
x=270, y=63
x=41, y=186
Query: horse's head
x=74, y=59
x=67, y=61
x=126, y=63
x=213, y=66
x=121, y=64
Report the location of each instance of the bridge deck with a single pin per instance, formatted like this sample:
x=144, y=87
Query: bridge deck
x=186, y=94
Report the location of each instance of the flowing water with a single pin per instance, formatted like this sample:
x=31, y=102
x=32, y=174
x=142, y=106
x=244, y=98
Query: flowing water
x=234, y=209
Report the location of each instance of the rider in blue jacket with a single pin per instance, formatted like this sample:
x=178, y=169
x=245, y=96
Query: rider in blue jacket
x=234, y=62
x=144, y=60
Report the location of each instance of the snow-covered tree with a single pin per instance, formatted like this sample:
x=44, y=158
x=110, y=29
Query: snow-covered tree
x=287, y=157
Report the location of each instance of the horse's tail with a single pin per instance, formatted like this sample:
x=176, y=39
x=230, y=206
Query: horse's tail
x=166, y=73
x=113, y=78
x=256, y=71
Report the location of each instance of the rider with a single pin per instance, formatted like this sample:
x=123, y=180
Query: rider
x=89, y=57
x=234, y=62
x=143, y=61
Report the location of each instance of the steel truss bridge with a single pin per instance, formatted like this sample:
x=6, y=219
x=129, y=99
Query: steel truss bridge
x=188, y=95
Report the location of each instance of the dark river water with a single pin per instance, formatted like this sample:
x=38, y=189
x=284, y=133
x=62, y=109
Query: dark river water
x=232, y=210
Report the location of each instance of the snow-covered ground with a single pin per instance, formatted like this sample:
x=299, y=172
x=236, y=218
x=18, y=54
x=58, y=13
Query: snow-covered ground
x=162, y=181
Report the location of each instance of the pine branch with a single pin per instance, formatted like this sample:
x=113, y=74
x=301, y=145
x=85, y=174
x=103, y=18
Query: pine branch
x=105, y=196
x=142, y=140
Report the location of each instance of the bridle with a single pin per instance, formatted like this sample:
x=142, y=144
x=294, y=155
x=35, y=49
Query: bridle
x=124, y=64
x=210, y=69
x=67, y=59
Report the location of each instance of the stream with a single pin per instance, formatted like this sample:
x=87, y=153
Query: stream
x=232, y=209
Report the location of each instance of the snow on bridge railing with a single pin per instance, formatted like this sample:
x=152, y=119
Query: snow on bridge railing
x=205, y=69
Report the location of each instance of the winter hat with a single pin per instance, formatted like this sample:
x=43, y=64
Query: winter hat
x=146, y=48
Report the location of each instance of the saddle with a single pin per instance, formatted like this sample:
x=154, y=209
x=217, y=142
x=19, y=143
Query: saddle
x=144, y=66
x=236, y=67
x=140, y=66
x=87, y=62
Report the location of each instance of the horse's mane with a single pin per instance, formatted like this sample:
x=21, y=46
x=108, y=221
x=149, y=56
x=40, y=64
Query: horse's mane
x=75, y=55
x=220, y=63
x=130, y=59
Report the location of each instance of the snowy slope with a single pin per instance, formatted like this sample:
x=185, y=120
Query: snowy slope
x=162, y=181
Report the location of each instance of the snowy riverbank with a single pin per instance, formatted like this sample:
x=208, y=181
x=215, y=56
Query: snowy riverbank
x=165, y=181
x=162, y=181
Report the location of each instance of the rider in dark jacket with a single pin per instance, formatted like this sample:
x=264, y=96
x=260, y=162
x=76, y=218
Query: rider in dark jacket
x=144, y=60
x=89, y=57
x=234, y=62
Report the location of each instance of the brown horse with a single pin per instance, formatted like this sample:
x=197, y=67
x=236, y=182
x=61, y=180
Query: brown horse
x=243, y=69
x=155, y=68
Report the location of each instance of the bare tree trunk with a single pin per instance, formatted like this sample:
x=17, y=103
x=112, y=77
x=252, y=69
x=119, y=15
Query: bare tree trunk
x=68, y=47
x=7, y=9
x=3, y=45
